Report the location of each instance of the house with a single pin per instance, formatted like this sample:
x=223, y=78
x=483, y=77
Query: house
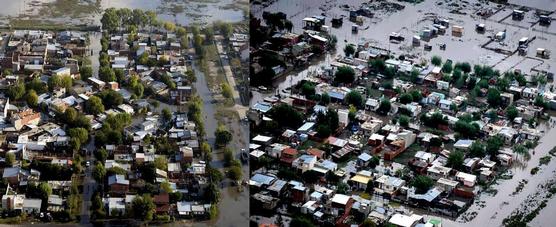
x=181, y=94
x=14, y=175
x=32, y=206
x=361, y=179
x=55, y=203
x=116, y=206
x=12, y=202
x=437, y=171
x=266, y=202
x=401, y=220
x=414, y=109
x=364, y=159
x=463, y=144
x=298, y=192
x=25, y=117
x=446, y=185
x=261, y=181
x=118, y=184
x=468, y=180
x=340, y=202
x=162, y=202
x=97, y=84
x=288, y=156
x=388, y=185
x=304, y=163
x=372, y=104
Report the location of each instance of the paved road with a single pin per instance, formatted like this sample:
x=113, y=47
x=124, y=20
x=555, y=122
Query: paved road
x=89, y=185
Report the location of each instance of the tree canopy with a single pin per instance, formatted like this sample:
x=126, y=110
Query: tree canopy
x=344, y=74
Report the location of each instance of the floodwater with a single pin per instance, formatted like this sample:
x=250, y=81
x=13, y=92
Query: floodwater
x=410, y=21
x=548, y=5
x=233, y=206
x=181, y=12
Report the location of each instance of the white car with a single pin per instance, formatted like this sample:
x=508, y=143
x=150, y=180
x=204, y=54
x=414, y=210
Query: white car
x=87, y=163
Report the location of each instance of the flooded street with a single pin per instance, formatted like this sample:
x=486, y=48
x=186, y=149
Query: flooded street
x=233, y=206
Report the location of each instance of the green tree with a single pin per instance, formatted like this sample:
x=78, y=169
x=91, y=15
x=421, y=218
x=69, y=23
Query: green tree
x=285, y=115
x=101, y=155
x=422, y=184
x=166, y=187
x=540, y=102
x=161, y=162
x=378, y=65
x=406, y=98
x=111, y=98
x=455, y=160
x=143, y=207
x=344, y=74
x=235, y=173
x=99, y=172
x=493, y=145
x=10, y=158
x=308, y=89
x=106, y=74
x=447, y=67
x=110, y=20
x=493, y=98
x=403, y=121
x=32, y=98
x=166, y=115
x=212, y=193
x=44, y=191
x=384, y=107
x=226, y=90
x=477, y=149
x=16, y=91
x=80, y=134
x=85, y=72
x=325, y=99
x=511, y=112
x=520, y=150
x=368, y=223
x=436, y=60
x=94, y=105
x=349, y=50
x=223, y=136
x=354, y=98
x=416, y=95
x=120, y=75
x=37, y=85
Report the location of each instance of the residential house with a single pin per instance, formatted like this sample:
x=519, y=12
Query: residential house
x=118, y=184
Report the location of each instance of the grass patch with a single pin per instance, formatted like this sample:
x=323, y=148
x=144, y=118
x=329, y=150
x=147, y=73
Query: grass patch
x=73, y=8
x=49, y=25
x=408, y=154
x=308, y=144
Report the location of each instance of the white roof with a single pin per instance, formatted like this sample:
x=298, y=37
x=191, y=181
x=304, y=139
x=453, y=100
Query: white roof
x=263, y=139
x=404, y=220
x=340, y=199
x=466, y=176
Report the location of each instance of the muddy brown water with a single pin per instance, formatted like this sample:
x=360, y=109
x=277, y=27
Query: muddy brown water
x=193, y=11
